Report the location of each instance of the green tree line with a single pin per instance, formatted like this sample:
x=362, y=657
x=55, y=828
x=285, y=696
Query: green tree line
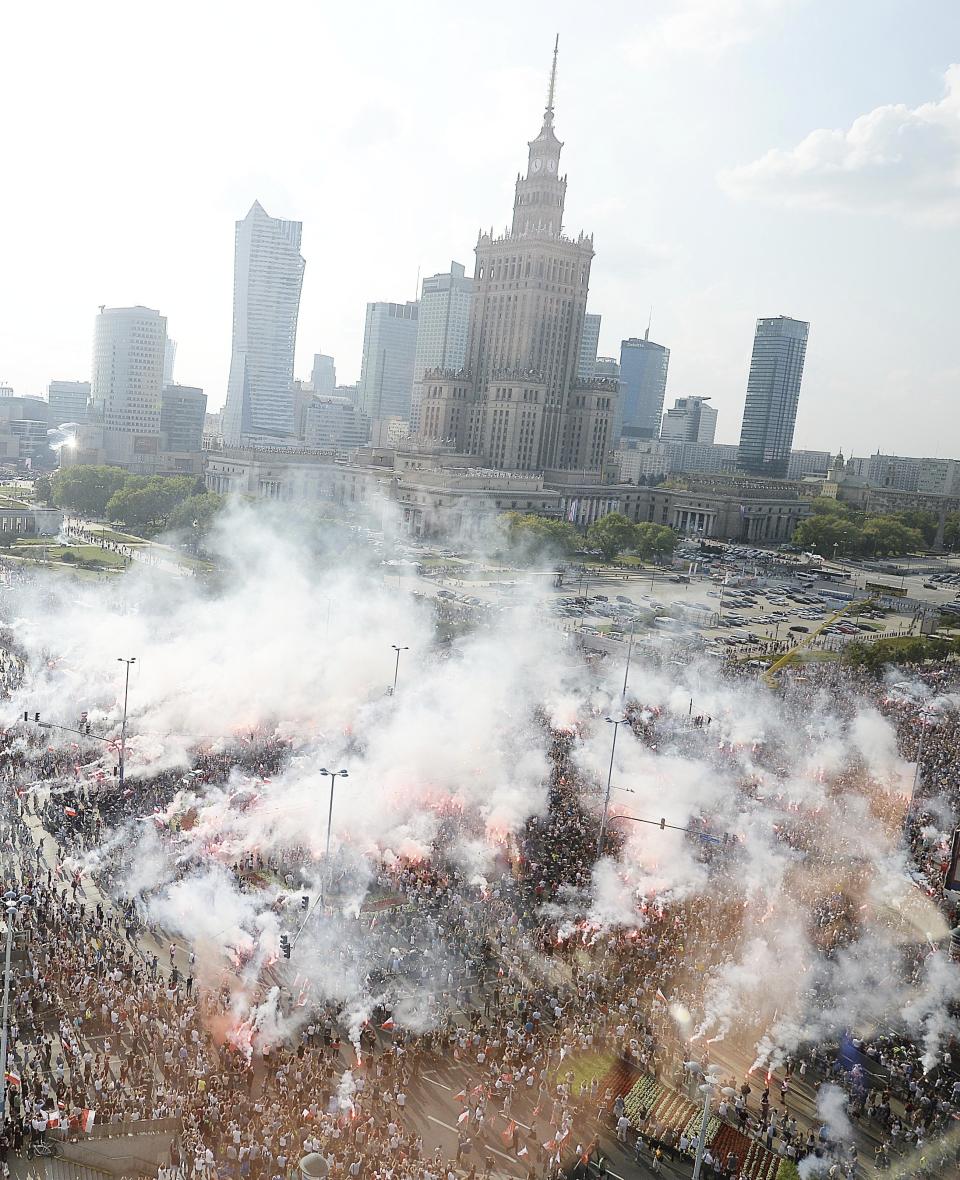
x=540, y=537
x=141, y=503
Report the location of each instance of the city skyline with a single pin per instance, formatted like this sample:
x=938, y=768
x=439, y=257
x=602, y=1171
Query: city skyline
x=849, y=248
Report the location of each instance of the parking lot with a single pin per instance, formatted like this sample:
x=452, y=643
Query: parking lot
x=729, y=600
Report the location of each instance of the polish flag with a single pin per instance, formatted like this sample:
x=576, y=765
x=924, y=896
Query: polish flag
x=13, y=1079
x=461, y=1097
x=388, y=1026
x=53, y=1119
x=522, y=1152
x=508, y=1134
x=463, y=1116
x=71, y=811
x=661, y=996
x=87, y=1119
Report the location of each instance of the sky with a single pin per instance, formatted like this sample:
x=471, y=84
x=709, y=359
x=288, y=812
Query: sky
x=732, y=158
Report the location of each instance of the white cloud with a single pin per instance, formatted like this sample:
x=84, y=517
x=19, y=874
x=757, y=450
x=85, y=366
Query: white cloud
x=894, y=159
x=705, y=27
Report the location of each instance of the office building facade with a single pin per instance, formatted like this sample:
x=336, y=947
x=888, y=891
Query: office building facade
x=690, y=419
x=443, y=325
x=68, y=401
x=643, y=386
x=589, y=347
x=323, y=376
x=126, y=391
x=773, y=391
x=267, y=281
x=386, y=370
x=183, y=411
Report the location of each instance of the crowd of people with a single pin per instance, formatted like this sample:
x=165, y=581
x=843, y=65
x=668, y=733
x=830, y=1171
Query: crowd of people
x=502, y=984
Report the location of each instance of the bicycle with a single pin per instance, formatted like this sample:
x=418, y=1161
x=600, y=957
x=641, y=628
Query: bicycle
x=45, y=1149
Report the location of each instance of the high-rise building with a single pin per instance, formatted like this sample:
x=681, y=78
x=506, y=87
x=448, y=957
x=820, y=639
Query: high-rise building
x=324, y=375
x=183, y=410
x=589, y=347
x=643, y=386
x=773, y=390
x=443, y=325
x=169, y=360
x=690, y=419
x=519, y=402
x=68, y=401
x=334, y=422
x=386, y=370
x=127, y=386
x=267, y=279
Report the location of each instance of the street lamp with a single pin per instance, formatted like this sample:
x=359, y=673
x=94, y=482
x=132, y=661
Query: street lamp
x=606, y=799
x=396, y=668
x=123, y=726
x=332, y=775
x=633, y=629
x=12, y=902
x=709, y=1085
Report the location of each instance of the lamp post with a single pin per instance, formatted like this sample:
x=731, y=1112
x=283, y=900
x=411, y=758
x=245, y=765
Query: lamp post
x=396, y=667
x=626, y=674
x=606, y=799
x=123, y=725
x=12, y=902
x=332, y=775
x=709, y=1084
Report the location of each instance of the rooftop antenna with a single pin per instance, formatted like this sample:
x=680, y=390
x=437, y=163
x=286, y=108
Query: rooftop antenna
x=646, y=334
x=416, y=290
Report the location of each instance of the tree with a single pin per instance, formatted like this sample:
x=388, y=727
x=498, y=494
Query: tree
x=87, y=488
x=822, y=532
x=885, y=536
x=196, y=515
x=611, y=534
x=922, y=520
x=146, y=503
x=951, y=530
x=538, y=537
x=653, y=540
x=43, y=489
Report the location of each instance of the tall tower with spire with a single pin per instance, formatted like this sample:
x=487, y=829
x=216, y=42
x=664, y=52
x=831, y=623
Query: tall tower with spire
x=518, y=402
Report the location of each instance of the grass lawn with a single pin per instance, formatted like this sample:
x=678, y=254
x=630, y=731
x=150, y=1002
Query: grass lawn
x=36, y=549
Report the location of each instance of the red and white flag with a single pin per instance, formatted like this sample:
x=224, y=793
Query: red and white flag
x=87, y=1119
x=53, y=1119
x=461, y=1097
x=522, y=1152
x=13, y=1079
x=508, y=1134
x=71, y=811
x=388, y=1025
x=463, y=1116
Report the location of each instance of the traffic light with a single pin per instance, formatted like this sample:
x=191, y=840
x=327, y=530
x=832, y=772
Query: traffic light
x=663, y=824
x=36, y=718
x=285, y=946
x=26, y=716
x=304, y=902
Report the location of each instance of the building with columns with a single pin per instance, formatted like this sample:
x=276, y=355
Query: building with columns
x=519, y=401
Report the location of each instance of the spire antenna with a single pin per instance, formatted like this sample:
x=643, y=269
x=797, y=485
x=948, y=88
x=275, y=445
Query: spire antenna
x=553, y=80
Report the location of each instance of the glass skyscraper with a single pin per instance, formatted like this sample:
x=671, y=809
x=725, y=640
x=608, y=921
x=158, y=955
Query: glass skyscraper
x=267, y=278
x=773, y=390
x=643, y=386
x=442, y=327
